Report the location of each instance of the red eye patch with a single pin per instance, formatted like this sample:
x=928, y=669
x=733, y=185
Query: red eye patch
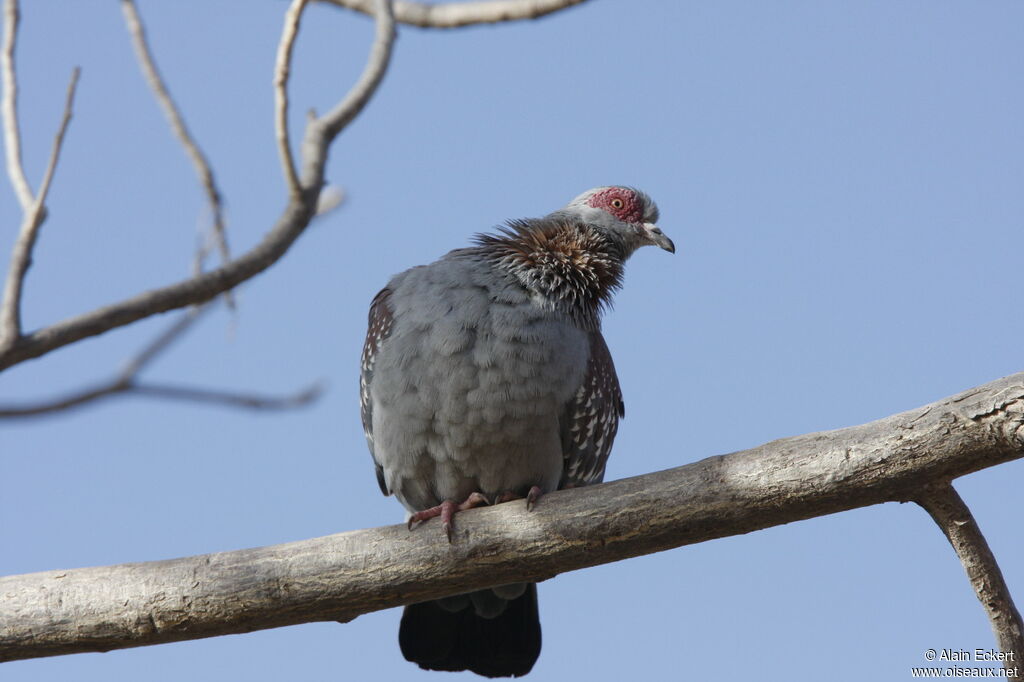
x=621, y=203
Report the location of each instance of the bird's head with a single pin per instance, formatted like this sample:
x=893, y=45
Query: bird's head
x=624, y=214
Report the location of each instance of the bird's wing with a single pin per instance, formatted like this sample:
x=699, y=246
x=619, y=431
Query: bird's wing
x=591, y=419
x=378, y=329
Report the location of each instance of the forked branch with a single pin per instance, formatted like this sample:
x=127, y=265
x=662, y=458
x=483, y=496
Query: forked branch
x=304, y=187
x=299, y=212
x=35, y=214
x=128, y=382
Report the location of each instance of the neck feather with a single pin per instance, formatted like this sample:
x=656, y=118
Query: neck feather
x=566, y=262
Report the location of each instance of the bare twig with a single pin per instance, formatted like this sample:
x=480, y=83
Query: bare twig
x=353, y=103
x=202, y=166
x=126, y=382
x=21, y=255
x=159, y=344
x=282, y=71
x=12, y=134
x=247, y=400
x=64, y=402
x=297, y=216
x=164, y=391
x=300, y=210
x=177, y=122
x=320, y=132
x=122, y=382
x=456, y=14
x=341, y=576
x=58, y=140
x=192, y=291
x=953, y=516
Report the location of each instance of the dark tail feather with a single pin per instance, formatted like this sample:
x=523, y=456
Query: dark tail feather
x=505, y=646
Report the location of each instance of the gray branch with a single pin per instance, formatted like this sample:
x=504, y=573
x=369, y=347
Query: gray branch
x=458, y=14
x=192, y=394
x=177, y=122
x=302, y=205
x=9, y=106
x=342, y=576
x=338, y=118
x=282, y=72
x=948, y=510
x=301, y=209
x=127, y=382
x=188, y=292
x=35, y=214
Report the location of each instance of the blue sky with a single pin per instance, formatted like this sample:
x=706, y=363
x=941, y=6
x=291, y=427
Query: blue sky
x=843, y=184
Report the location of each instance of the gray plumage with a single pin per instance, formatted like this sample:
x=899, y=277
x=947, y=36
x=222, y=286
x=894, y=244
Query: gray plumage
x=486, y=372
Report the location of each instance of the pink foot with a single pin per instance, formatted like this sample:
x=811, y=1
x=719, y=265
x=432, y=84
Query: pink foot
x=446, y=510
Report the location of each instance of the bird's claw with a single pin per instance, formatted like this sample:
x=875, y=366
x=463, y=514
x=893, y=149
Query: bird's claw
x=532, y=497
x=446, y=510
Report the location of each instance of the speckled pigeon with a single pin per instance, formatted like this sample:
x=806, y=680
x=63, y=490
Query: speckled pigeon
x=485, y=378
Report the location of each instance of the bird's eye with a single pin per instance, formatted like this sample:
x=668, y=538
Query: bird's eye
x=618, y=203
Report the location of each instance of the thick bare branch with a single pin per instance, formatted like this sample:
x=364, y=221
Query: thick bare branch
x=948, y=510
x=282, y=71
x=163, y=96
x=21, y=255
x=199, y=289
x=456, y=14
x=187, y=292
x=12, y=134
x=341, y=576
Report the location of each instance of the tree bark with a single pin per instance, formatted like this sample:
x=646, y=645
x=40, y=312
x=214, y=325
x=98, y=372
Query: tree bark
x=958, y=525
x=341, y=576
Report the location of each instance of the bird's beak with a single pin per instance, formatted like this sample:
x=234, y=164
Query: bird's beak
x=656, y=237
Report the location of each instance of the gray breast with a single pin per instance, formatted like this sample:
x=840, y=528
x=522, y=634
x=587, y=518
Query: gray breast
x=469, y=386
